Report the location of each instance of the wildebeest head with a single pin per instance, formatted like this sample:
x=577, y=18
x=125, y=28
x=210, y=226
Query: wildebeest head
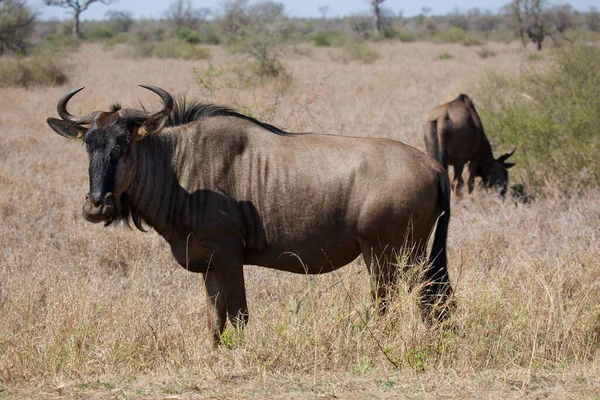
x=497, y=176
x=109, y=139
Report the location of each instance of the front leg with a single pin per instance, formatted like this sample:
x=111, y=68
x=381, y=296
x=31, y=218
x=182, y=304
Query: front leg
x=216, y=315
x=221, y=261
x=226, y=286
x=472, y=175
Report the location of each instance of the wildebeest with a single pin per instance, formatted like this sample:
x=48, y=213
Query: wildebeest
x=225, y=190
x=454, y=135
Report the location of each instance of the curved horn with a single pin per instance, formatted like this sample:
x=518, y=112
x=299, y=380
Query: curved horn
x=142, y=115
x=164, y=95
x=504, y=157
x=66, y=116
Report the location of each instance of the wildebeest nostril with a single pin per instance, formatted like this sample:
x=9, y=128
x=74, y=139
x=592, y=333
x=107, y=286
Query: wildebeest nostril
x=94, y=198
x=109, y=199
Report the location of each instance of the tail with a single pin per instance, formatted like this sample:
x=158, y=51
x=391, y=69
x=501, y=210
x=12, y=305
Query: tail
x=437, y=291
x=435, y=141
x=438, y=257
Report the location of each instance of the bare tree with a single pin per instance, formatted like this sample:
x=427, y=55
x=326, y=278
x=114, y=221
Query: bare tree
x=536, y=26
x=182, y=14
x=78, y=6
x=486, y=23
x=527, y=19
x=258, y=29
x=378, y=15
x=324, y=10
x=16, y=23
x=561, y=17
x=119, y=21
x=538, y=20
x=459, y=20
x=593, y=19
x=233, y=18
x=361, y=25
x=513, y=9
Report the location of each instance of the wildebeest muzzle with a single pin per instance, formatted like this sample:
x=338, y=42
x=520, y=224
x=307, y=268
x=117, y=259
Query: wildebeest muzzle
x=100, y=210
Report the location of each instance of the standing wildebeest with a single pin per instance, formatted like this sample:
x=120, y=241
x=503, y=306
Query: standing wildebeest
x=225, y=190
x=454, y=135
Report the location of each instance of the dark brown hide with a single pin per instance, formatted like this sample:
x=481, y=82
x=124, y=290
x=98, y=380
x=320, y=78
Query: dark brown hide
x=225, y=191
x=454, y=136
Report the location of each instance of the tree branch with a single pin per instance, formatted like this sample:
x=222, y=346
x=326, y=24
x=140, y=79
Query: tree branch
x=76, y=4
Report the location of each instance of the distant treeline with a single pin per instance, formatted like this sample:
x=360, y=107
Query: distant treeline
x=235, y=21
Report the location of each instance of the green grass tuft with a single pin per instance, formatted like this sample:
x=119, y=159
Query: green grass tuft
x=363, y=52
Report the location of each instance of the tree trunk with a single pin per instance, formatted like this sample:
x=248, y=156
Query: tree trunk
x=523, y=40
x=377, y=11
x=76, y=25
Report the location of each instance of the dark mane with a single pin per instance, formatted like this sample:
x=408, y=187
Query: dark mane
x=127, y=215
x=115, y=107
x=185, y=112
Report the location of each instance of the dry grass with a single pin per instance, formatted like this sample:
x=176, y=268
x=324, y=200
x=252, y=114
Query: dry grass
x=94, y=312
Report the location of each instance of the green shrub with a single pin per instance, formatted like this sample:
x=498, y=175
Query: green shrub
x=587, y=36
x=388, y=32
x=471, y=40
x=188, y=35
x=139, y=50
x=328, y=39
x=147, y=31
x=484, y=52
x=503, y=35
x=208, y=34
x=266, y=59
x=395, y=32
x=405, y=36
x=267, y=68
x=453, y=35
x=320, y=39
x=307, y=28
x=98, y=33
x=457, y=35
x=176, y=48
x=16, y=25
x=552, y=115
x=56, y=43
x=446, y=56
x=172, y=48
x=32, y=71
x=362, y=52
x=118, y=38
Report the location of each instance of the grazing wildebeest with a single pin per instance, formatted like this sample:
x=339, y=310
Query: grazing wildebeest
x=225, y=190
x=454, y=135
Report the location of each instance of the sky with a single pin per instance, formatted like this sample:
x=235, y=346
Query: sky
x=294, y=8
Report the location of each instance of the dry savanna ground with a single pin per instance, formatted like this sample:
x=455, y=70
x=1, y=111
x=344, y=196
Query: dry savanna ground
x=94, y=312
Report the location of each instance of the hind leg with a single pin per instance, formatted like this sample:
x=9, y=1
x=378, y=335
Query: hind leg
x=436, y=301
x=457, y=180
x=380, y=263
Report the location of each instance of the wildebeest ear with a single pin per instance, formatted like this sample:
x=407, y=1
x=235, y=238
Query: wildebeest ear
x=508, y=165
x=67, y=129
x=153, y=124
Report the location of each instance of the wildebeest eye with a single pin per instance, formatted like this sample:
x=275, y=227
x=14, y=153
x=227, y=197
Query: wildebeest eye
x=116, y=152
